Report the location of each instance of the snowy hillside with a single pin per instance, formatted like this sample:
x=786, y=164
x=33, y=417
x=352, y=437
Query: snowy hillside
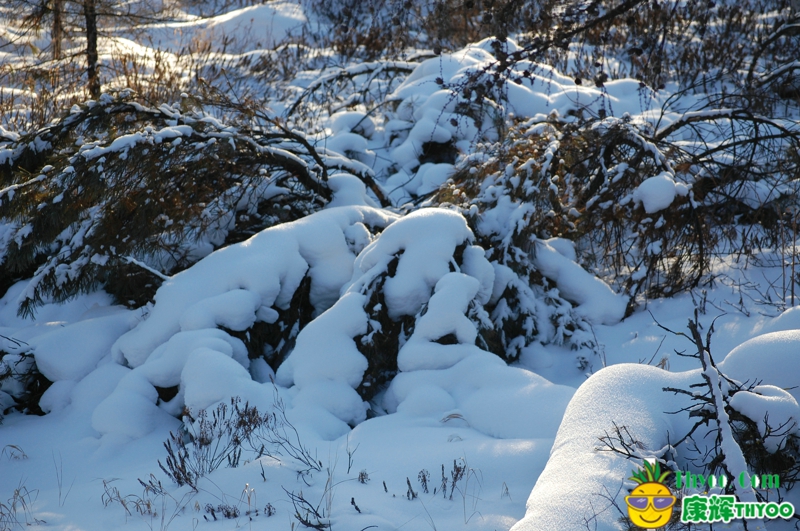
x=397, y=265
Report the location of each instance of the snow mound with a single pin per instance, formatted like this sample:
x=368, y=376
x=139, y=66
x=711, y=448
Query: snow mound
x=352, y=121
x=130, y=411
x=656, y=193
x=91, y=340
x=235, y=309
x=491, y=397
x=773, y=409
x=209, y=377
x=596, y=301
x=197, y=362
x=788, y=320
x=262, y=272
x=180, y=346
x=256, y=27
x=348, y=190
x=573, y=488
x=269, y=23
x=426, y=240
x=772, y=359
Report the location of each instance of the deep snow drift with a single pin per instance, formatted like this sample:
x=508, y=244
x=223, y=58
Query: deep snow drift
x=450, y=402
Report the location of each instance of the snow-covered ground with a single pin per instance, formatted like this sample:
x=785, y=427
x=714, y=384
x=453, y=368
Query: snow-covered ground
x=527, y=431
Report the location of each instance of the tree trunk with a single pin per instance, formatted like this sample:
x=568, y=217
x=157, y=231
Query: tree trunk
x=90, y=14
x=56, y=34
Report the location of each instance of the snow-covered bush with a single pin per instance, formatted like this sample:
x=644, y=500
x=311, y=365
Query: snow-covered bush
x=119, y=195
x=187, y=350
x=21, y=383
x=702, y=420
x=419, y=295
x=643, y=212
x=399, y=281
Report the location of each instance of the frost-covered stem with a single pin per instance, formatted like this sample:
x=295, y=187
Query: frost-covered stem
x=314, y=154
x=781, y=70
x=146, y=267
x=784, y=30
x=733, y=459
x=372, y=69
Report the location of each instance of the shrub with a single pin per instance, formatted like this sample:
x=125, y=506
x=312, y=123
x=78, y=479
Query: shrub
x=120, y=195
x=587, y=181
x=207, y=442
x=21, y=383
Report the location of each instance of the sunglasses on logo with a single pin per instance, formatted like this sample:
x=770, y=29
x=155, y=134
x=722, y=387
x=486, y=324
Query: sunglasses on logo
x=659, y=503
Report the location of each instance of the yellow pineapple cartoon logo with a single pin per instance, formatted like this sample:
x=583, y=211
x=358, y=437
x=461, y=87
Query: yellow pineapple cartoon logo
x=650, y=503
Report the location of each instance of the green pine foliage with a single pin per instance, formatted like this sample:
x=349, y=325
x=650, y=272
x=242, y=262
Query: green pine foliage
x=119, y=195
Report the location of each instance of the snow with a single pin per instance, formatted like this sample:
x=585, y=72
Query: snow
x=57, y=397
x=258, y=26
x=772, y=358
x=95, y=337
x=428, y=178
x=515, y=429
x=529, y=428
x=326, y=352
x=596, y=301
x=444, y=315
x=492, y=398
x=357, y=122
x=348, y=190
x=787, y=320
x=422, y=261
x=210, y=376
x=235, y=309
x=579, y=482
x=772, y=408
x=166, y=363
x=656, y=193
x=274, y=21
x=130, y=411
x=423, y=79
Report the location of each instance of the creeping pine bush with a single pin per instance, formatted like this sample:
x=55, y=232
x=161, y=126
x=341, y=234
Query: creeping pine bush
x=590, y=181
x=387, y=333
x=118, y=195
